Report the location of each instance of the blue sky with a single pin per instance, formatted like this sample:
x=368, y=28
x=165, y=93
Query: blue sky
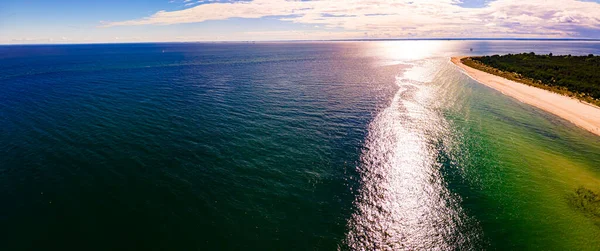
x=90, y=21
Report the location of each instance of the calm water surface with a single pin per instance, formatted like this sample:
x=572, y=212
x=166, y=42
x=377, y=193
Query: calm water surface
x=332, y=145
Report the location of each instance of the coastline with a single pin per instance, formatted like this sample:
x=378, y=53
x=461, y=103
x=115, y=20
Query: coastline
x=579, y=113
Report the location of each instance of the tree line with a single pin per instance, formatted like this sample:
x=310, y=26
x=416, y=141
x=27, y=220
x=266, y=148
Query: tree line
x=577, y=74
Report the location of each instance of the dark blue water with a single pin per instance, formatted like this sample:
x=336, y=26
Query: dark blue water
x=224, y=146
x=206, y=145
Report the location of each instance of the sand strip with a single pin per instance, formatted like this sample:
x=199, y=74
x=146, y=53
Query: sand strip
x=579, y=113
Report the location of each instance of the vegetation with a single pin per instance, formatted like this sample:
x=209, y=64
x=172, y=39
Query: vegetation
x=588, y=202
x=575, y=76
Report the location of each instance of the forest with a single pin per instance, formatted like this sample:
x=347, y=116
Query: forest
x=577, y=76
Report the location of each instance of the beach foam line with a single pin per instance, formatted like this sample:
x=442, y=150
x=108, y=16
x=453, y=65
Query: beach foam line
x=582, y=114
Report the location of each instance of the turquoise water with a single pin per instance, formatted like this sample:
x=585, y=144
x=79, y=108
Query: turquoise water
x=333, y=145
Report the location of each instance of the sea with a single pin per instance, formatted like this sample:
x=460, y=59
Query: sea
x=325, y=145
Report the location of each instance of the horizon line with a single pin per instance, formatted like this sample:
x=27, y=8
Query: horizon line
x=316, y=40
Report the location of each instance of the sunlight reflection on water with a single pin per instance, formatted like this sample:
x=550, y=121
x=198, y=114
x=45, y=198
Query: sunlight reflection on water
x=403, y=202
x=407, y=52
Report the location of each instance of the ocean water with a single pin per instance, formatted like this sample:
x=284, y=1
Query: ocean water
x=279, y=146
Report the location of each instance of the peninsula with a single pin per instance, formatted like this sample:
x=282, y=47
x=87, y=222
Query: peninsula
x=558, y=100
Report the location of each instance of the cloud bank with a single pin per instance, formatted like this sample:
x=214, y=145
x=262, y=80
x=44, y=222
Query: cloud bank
x=406, y=18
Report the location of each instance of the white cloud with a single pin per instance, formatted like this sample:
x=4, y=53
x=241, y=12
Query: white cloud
x=421, y=18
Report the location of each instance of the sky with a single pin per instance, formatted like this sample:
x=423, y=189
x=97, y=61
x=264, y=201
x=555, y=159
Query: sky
x=109, y=21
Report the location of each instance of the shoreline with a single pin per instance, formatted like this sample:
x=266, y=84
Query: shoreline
x=573, y=110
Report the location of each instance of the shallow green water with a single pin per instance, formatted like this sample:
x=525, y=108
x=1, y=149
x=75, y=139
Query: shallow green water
x=525, y=163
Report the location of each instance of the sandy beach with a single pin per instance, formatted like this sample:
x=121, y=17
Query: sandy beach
x=579, y=113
